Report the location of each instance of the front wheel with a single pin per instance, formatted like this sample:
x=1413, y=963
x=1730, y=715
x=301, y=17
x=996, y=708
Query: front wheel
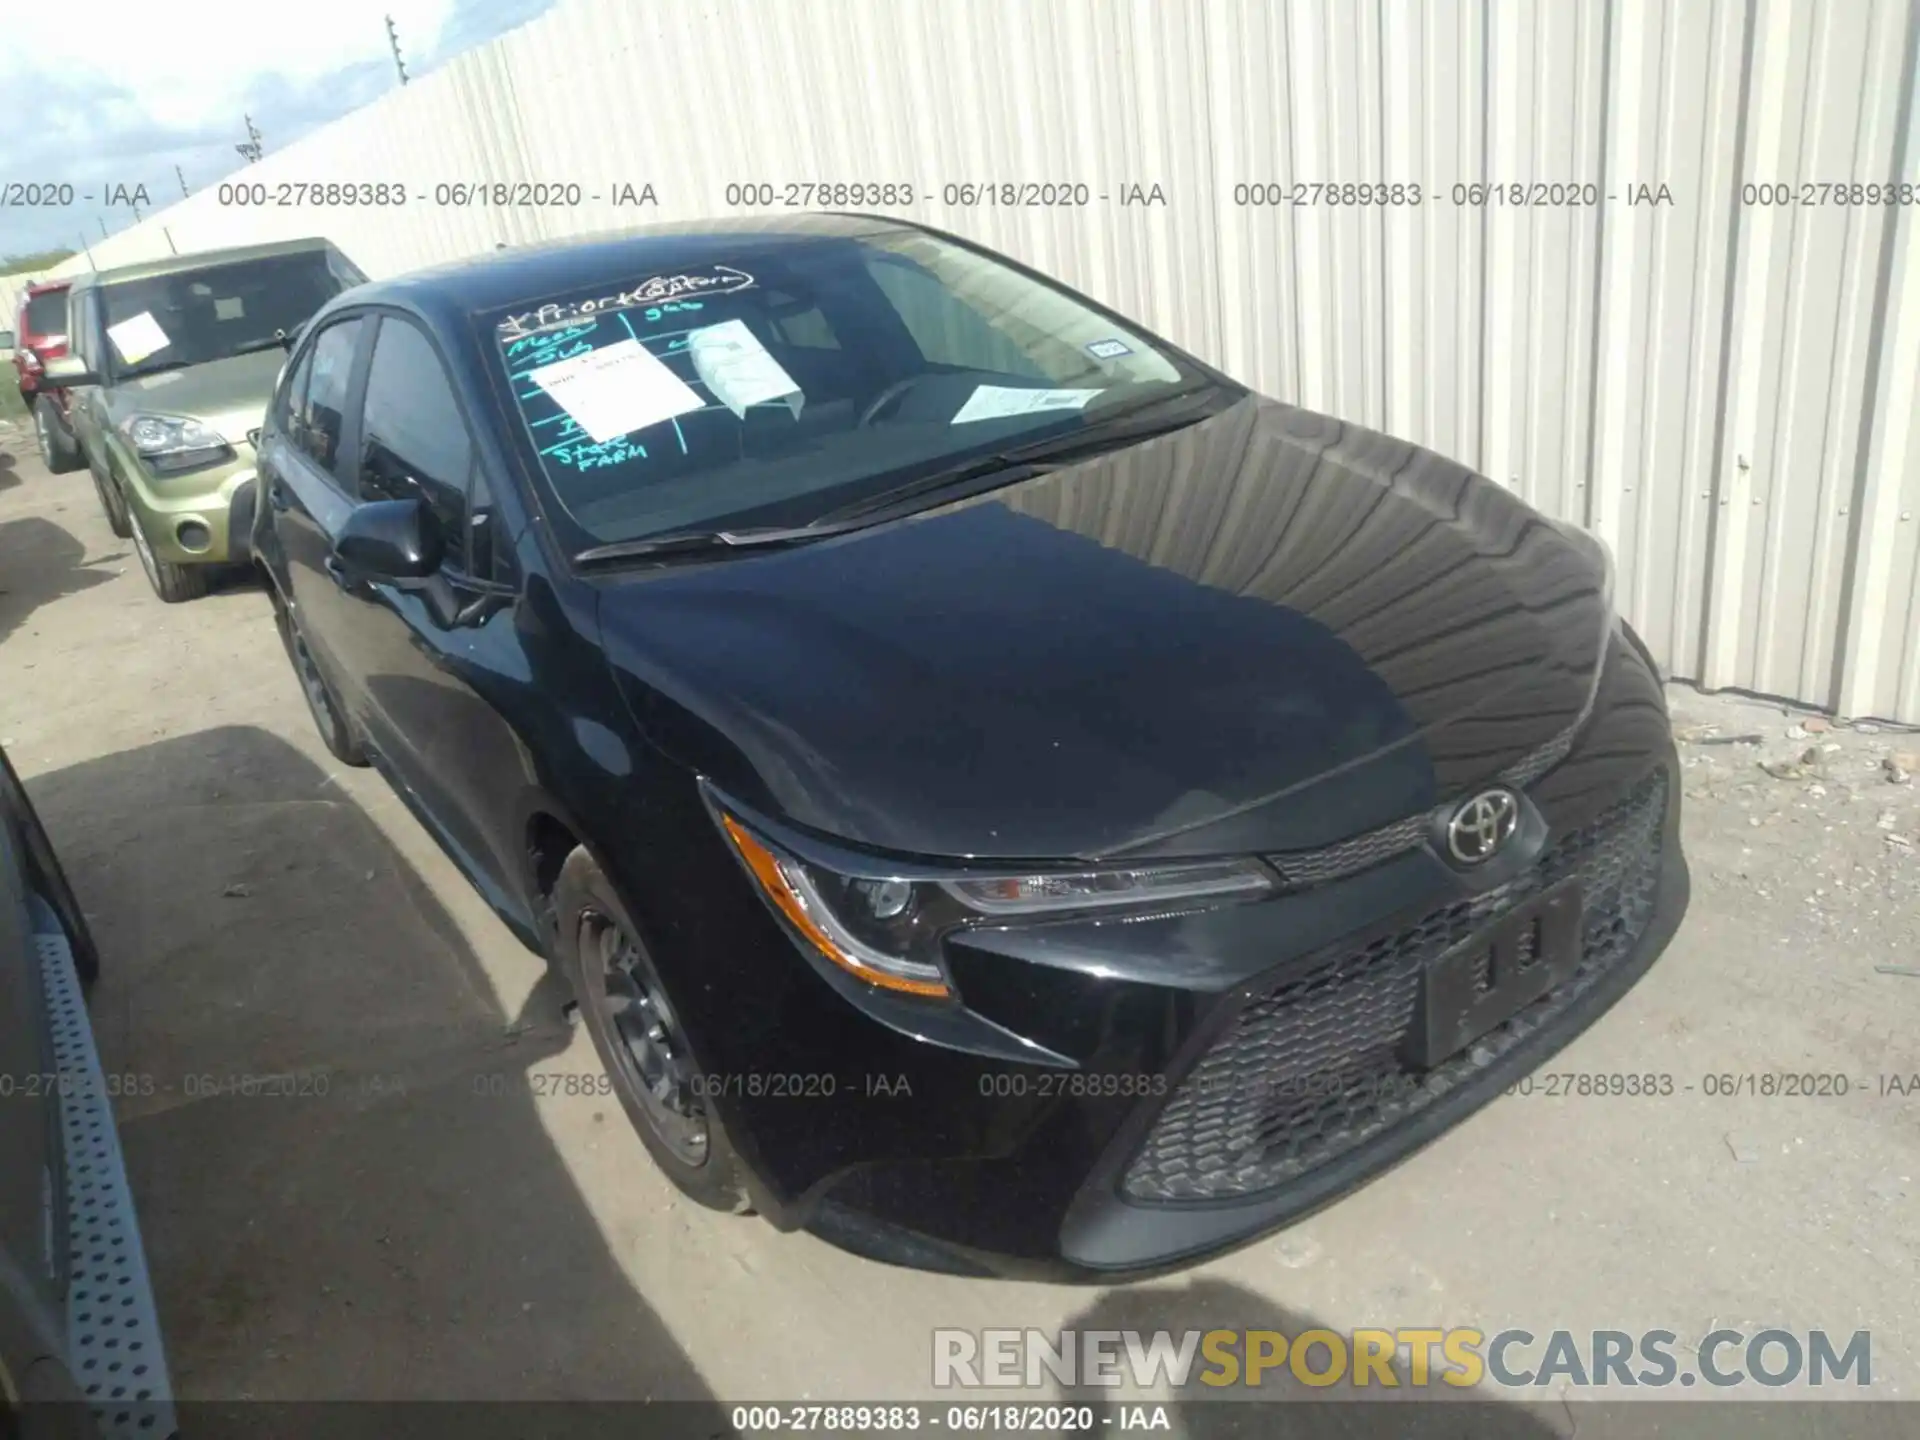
x=637, y=1033
x=59, y=451
x=172, y=583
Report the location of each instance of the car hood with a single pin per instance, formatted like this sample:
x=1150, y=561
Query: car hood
x=229, y=395
x=1270, y=630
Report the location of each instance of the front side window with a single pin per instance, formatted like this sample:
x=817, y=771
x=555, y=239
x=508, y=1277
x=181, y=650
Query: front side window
x=192, y=317
x=768, y=385
x=413, y=442
x=290, y=405
x=320, y=419
x=76, y=315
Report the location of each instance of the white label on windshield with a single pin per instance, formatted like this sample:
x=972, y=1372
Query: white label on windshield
x=991, y=402
x=229, y=307
x=616, y=389
x=138, y=338
x=1109, y=349
x=738, y=369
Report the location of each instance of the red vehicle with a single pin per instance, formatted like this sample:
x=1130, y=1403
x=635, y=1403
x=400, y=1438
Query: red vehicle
x=40, y=336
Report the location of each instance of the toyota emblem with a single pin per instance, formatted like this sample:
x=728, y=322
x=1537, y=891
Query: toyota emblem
x=1482, y=825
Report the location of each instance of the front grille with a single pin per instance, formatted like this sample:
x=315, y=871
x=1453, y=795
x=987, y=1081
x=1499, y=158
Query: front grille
x=1304, y=869
x=1312, y=1068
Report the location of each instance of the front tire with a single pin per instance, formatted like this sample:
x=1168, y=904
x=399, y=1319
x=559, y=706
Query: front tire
x=59, y=451
x=172, y=583
x=635, y=1029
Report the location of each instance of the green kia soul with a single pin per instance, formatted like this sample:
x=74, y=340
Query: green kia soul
x=170, y=364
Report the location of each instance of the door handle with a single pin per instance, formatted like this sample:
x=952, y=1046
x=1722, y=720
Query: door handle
x=277, y=495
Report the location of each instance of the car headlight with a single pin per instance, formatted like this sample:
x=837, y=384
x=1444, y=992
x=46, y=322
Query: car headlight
x=886, y=930
x=170, y=444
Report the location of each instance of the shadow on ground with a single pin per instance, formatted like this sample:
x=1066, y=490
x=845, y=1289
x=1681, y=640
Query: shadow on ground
x=40, y=562
x=389, y=1221
x=9, y=471
x=1281, y=1404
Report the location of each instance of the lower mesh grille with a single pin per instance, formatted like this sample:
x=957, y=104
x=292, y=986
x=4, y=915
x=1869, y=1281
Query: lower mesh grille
x=1312, y=1068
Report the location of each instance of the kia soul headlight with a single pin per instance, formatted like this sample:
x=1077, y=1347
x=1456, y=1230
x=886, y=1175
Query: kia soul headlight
x=887, y=930
x=170, y=444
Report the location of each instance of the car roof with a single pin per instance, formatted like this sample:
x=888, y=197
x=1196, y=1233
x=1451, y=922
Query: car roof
x=198, y=259
x=41, y=287
x=486, y=282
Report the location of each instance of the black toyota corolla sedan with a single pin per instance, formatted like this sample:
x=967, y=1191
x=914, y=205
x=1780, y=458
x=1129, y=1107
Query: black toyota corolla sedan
x=1006, y=798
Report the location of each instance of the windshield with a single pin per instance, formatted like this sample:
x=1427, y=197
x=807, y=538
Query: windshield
x=774, y=385
x=47, y=313
x=193, y=316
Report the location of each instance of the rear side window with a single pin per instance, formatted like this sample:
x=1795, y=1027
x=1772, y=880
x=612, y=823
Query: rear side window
x=414, y=442
x=47, y=314
x=321, y=414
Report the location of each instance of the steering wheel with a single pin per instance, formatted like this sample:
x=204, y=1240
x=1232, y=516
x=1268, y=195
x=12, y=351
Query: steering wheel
x=886, y=399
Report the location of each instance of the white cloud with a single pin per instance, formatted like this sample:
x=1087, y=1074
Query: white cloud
x=188, y=63
x=127, y=90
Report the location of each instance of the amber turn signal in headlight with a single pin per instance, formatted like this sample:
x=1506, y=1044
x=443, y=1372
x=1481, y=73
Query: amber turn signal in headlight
x=796, y=894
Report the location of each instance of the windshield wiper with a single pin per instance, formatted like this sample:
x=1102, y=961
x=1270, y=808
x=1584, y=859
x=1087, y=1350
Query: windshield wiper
x=158, y=368
x=281, y=339
x=690, y=542
x=1007, y=467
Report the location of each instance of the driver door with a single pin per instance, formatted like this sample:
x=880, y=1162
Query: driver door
x=438, y=660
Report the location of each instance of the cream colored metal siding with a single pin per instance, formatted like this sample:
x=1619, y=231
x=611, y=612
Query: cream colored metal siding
x=1725, y=391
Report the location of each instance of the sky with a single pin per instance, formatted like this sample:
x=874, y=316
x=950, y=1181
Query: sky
x=140, y=86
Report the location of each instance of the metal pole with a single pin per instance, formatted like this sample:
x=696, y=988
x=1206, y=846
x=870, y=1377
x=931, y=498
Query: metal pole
x=181, y=177
x=393, y=43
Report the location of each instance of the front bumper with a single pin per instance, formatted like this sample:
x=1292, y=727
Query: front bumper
x=1156, y=1143
x=218, y=500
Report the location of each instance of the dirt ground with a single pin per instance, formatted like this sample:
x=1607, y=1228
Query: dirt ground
x=431, y=1227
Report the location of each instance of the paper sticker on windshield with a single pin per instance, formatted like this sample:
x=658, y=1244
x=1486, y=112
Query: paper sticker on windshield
x=231, y=307
x=1109, y=349
x=138, y=338
x=616, y=389
x=738, y=369
x=992, y=402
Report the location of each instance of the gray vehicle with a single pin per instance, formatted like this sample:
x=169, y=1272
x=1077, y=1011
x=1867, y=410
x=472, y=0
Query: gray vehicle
x=80, y=1348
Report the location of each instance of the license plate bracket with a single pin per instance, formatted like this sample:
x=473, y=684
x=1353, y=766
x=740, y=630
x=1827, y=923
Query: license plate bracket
x=1492, y=977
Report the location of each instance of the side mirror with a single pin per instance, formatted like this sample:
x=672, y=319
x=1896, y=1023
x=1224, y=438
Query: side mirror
x=69, y=370
x=392, y=540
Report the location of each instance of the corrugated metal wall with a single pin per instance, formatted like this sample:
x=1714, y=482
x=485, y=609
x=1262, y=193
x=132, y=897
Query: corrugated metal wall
x=1726, y=390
